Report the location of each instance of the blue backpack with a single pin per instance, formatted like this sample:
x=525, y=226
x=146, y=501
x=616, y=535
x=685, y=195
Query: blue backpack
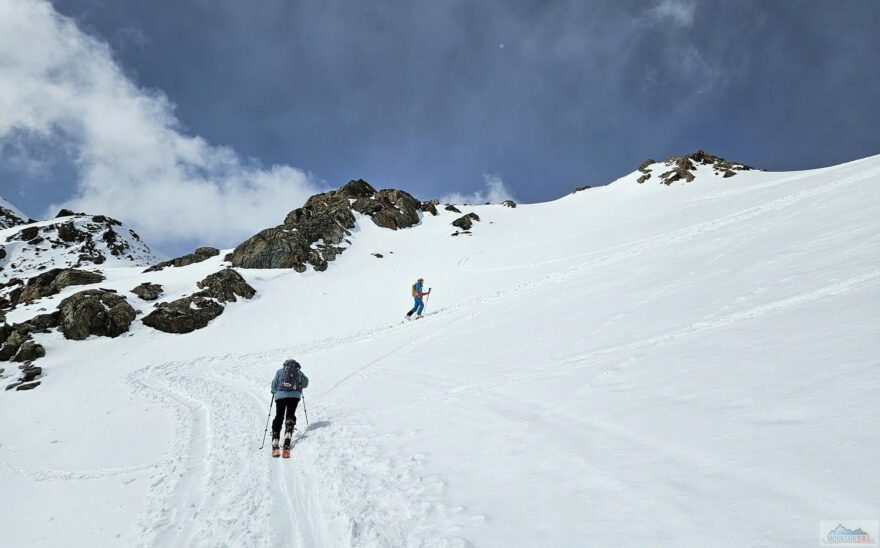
x=290, y=377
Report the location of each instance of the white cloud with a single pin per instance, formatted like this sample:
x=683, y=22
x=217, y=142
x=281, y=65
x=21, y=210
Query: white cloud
x=679, y=12
x=133, y=159
x=495, y=193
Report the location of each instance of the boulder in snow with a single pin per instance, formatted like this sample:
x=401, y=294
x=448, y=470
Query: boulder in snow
x=184, y=315
x=465, y=222
x=225, y=285
x=148, y=291
x=53, y=281
x=95, y=312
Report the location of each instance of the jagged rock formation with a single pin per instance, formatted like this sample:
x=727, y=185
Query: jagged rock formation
x=184, y=315
x=10, y=216
x=71, y=240
x=95, y=312
x=430, y=207
x=683, y=168
x=225, y=285
x=314, y=233
x=53, y=281
x=452, y=208
x=148, y=291
x=197, y=256
x=465, y=222
x=509, y=203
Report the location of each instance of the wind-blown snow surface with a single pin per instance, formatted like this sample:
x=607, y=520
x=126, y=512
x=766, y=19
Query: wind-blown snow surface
x=633, y=365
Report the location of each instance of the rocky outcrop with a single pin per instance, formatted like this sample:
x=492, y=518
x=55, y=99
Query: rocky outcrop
x=430, y=207
x=225, y=285
x=148, y=291
x=95, y=312
x=184, y=315
x=581, y=189
x=452, y=208
x=29, y=351
x=390, y=208
x=315, y=233
x=197, y=256
x=465, y=222
x=682, y=168
x=53, y=281
x=509, y=203
x=9, y=217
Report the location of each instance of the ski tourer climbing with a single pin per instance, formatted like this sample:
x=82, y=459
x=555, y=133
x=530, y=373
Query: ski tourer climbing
x=287, y=387
x=417, y=295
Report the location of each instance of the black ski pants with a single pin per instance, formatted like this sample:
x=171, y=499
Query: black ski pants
x=284, y=406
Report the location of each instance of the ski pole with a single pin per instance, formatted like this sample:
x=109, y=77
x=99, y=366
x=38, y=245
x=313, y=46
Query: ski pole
x=267, y=421
x=305, y=410
x=426, y=299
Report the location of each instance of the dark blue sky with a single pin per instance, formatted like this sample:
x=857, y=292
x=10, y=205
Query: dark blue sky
x=431, y=95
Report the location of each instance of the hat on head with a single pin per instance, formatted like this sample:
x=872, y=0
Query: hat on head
x=293, y=363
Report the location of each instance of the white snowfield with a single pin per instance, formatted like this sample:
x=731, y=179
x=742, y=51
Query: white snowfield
x=632, y=365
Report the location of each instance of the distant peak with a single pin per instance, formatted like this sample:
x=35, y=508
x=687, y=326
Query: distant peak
x=683, y=168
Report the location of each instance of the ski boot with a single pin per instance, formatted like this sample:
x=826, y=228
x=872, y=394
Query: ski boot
x=275, y=451
x=288, y=434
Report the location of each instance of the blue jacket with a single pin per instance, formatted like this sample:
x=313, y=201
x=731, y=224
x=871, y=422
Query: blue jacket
x=303, y=381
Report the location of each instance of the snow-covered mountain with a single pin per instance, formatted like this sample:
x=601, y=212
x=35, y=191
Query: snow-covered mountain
x=661, y=361
x=10, y=215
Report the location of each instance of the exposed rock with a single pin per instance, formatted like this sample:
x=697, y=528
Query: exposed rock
x=314, y=233
x=29, y=351
x=225, y=285
x=184, y=315
x=430, y=207
x=295, y=246
x=30, y=373
x=26, y=386
x=508, y=203
x=9, y=217
x=148, y=291
x=356, y=189
x=390, y=209
x=682, y=168
x=580, y=189
x=13, y=385
x=5, y=331
x=95, y=312
x=465, y=222
x=67, y=213
x=452, y=208
x=377, y=255
x=52, y=281
x=40, y=323
x=197, y=256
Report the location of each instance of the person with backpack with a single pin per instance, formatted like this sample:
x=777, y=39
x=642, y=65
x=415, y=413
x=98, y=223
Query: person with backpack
x=287, y=386
x=417, y=294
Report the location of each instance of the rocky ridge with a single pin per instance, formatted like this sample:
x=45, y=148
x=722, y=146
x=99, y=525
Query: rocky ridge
x=317, y=232
x=70, y=240
x=683, y=168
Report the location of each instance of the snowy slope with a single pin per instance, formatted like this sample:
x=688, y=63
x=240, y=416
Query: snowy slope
x=632, y=365
x=75, y=240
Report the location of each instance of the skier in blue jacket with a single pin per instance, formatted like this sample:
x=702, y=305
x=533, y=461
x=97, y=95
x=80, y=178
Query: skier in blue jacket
x=287, y=386
x=417, y=294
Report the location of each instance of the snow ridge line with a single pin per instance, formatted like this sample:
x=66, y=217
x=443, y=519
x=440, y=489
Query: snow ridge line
x=665, y=338
x=676, y=236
